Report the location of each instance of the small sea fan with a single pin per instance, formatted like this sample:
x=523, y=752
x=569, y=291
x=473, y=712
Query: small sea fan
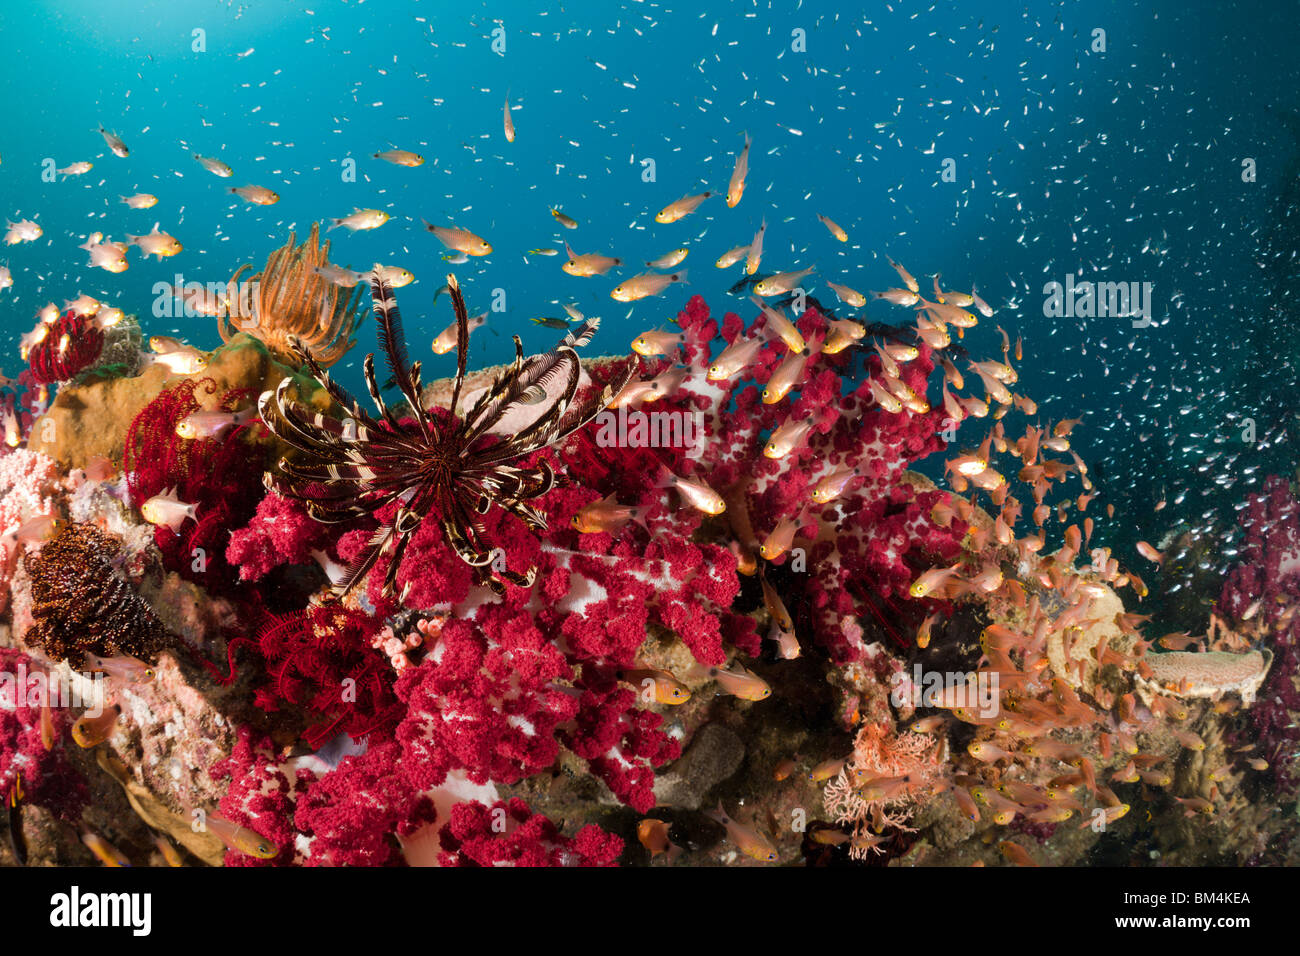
x=81, y=605
x=72, y=344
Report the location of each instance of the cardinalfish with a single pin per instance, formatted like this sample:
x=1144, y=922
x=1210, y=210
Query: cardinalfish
x=850, y=297
x=747, y=839
x=114, y=142
x=736, y=187
x=731, y=257
x=835, y=230
x=827, y=769
x=832, y=486
x=1150, y=553
x=653, y=835
x=755, y=254
x=789, y=436
x=667, y=382
x=645, y=285
x=204, y=424
x=740, y=682
x=446, y=339
x=633, y=394
x=787, y=375
x=781, y=282
x=592, y=263
x=91, y=731
x=167, y=510
x=906, y=276
x=775, y=606
x=898, y=297
x=735, y=358
x=507, y=121
x=607, y=515
x=923, y=632
x=696, y=493
x=187, y=362
x=782, y=537
x=361, y=219
x=344, y=278
x=395, y=276
x=787, y=644
x=668, y=261
x=657, y=342
x=239, y=838
x=215, y=166
x=782, y=327
x=681, y=207
x=400, y=157
x=257, y=195
x=156, y=243
x=76, y=169
x=659, y=685
x=459, y=240
x=123, y=667
x=107, y=854
x=931, y=581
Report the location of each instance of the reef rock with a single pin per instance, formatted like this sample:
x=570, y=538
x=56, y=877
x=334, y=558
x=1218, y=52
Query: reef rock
x=92, y=418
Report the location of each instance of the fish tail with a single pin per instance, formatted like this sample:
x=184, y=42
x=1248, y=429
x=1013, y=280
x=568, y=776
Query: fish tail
x=680, y=277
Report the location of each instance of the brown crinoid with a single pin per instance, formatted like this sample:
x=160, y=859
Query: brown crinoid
x=458, y=467
x=80, y=604
x=289, y=298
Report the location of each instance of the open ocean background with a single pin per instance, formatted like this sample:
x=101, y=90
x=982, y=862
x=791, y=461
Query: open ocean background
x=1117, y=166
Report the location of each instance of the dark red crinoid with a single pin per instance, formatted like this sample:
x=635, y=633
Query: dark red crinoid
x=72, y=344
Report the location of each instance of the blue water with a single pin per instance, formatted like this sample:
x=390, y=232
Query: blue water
x=1122, y=165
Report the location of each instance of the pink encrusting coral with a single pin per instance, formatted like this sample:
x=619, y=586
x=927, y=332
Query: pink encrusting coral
x=28, y=484
x=1263, y=591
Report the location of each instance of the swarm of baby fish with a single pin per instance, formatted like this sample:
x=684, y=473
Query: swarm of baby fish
x=292, y=298
x=81, y=605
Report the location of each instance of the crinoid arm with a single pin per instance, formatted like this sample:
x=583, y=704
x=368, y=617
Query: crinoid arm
x=349, y=467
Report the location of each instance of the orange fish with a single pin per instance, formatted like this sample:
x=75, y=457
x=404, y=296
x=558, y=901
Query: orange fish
x=750, y=841
x=653, y=835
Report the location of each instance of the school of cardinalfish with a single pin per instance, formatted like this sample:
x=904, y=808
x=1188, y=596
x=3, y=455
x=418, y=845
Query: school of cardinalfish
x=1048, y=596
x=1035, y=700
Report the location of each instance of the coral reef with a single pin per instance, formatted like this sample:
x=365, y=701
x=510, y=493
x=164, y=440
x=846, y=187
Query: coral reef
x=730, y=586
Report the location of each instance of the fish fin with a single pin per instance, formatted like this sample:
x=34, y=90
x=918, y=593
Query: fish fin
x=680, y=277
